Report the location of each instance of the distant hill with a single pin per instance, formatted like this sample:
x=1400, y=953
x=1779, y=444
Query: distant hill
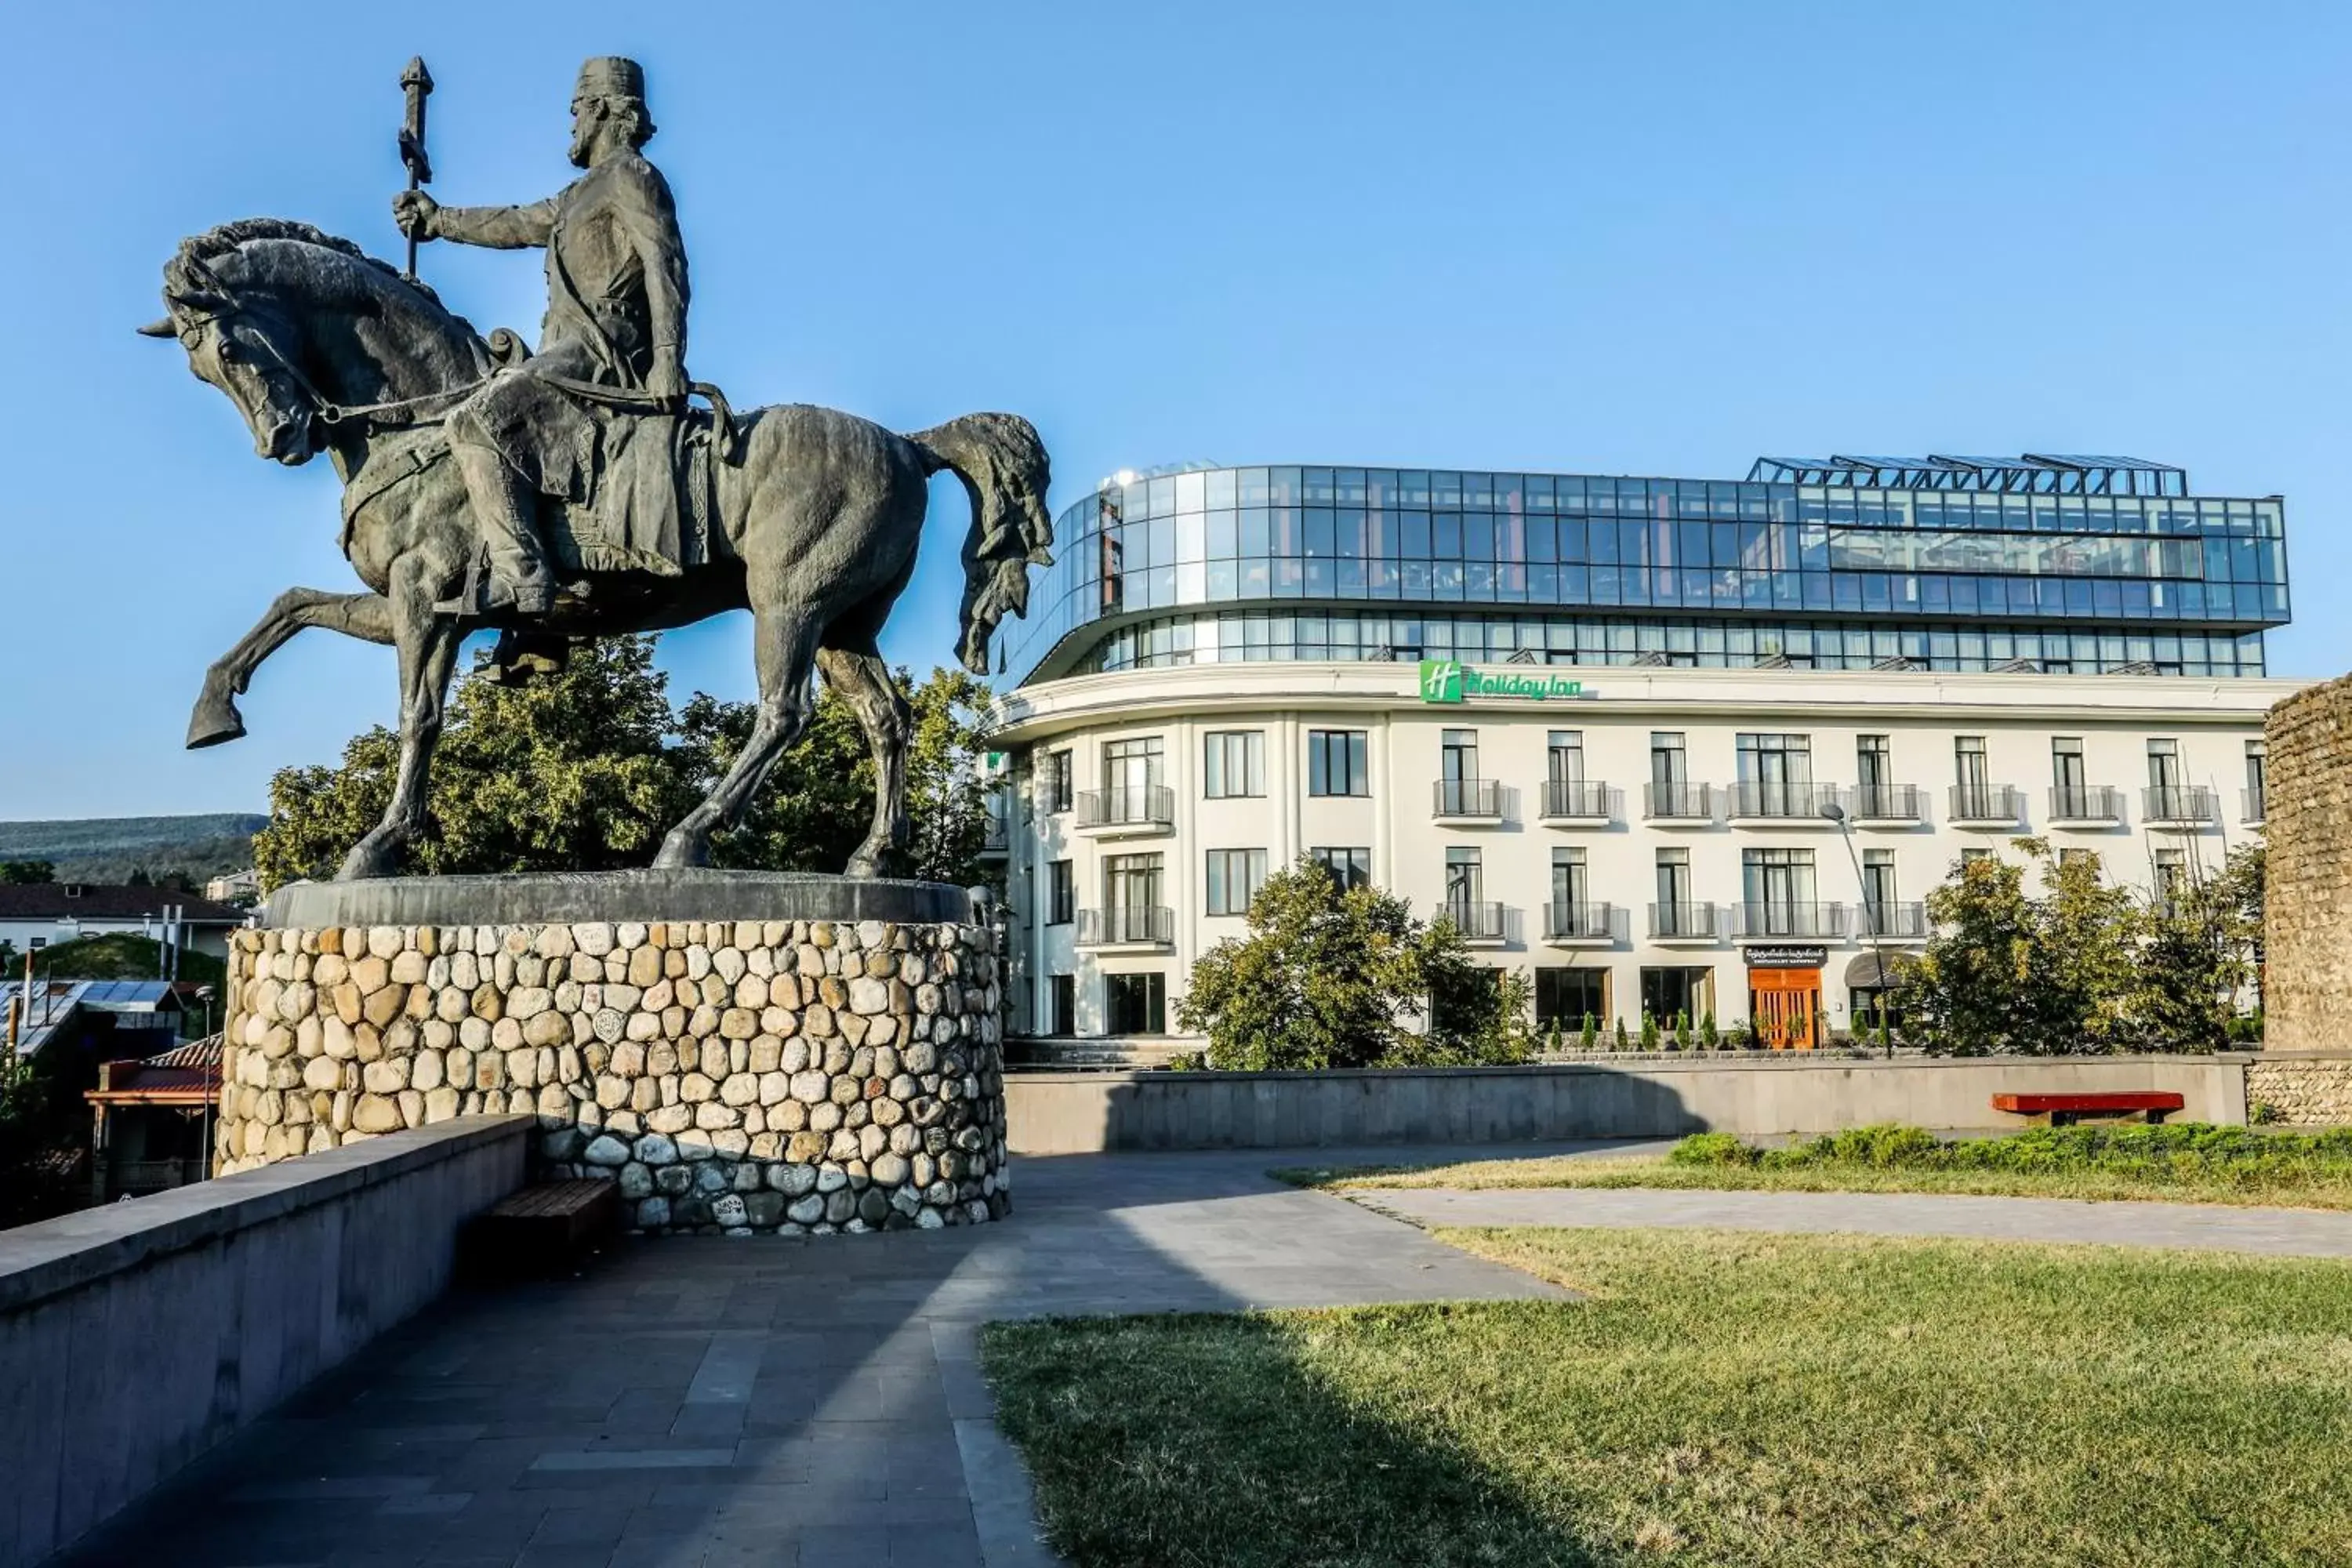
x=110, y=848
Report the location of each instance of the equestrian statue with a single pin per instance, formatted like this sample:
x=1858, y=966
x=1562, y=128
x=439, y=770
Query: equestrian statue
x=574, y=491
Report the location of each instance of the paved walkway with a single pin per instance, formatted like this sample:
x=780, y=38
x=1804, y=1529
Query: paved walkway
x=2304, y=1233
x=711, y=1403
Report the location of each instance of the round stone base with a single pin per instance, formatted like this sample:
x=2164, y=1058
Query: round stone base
x=733, y=1072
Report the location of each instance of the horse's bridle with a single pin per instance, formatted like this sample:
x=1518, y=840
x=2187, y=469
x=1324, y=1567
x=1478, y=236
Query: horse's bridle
x=324, y=408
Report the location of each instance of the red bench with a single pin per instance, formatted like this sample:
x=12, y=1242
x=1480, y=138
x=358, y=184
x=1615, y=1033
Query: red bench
x=2063, y=1109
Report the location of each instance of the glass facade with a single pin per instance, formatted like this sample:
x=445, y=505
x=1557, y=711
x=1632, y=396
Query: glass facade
x=2057, y=563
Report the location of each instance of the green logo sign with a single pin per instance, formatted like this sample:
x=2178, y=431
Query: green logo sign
x=1450, y=681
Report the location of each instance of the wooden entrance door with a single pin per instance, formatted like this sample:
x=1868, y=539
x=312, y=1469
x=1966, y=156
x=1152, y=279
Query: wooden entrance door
x=1784, y=1006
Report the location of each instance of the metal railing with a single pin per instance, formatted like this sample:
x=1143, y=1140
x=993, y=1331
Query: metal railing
x=1695, y=922
x=1477, y=921
x=2087, y=803
x=1583, y=922
x=1128, y=806
x=2254, y=805
x=1895, y=922
x=996, y=834
x=1888, y=803
x=1780, y=798
x=1467, y=797
x=1779, y=920
x=1576, y=798
x=1678, y=802
x=1987, y=803
x=2178, y=803
x=1123, y=923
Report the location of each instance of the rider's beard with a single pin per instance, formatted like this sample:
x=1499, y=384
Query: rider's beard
x=582, y=137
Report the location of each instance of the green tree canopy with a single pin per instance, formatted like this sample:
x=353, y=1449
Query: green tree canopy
x=1331, y=978
x=27, y=873
x=586, y=770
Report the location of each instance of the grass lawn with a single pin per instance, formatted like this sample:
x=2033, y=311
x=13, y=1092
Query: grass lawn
x=1717, y=1399
x=2181, y=1164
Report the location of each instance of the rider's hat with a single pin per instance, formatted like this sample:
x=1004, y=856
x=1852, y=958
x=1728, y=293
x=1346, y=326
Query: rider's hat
x=611, y=76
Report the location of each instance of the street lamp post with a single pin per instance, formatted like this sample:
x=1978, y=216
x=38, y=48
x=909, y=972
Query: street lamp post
x=1836, y=813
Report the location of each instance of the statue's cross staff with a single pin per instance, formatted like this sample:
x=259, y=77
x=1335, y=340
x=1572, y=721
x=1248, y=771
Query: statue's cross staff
x=416, y=82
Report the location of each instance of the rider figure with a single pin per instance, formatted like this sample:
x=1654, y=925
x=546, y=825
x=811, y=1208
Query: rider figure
x=615, y=317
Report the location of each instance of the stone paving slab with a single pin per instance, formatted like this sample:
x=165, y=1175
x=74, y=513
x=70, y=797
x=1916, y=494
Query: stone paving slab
x=2301, y=1233
x=719, y=1402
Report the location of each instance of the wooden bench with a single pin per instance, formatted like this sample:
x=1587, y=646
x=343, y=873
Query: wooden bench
x=2065, y=1110
x=540, y=1230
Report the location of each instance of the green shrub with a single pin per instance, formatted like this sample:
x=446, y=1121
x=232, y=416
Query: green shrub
x=1712, y=1149
x=1590, y=1038
x=2263, y=1114
x=1707, y=1039
x=1649, y=1031
x=1620, y=1034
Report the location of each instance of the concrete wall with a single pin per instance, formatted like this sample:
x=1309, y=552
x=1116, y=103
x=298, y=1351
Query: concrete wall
x=1066, y=1113
x=2308, y=947
x=136, y=1336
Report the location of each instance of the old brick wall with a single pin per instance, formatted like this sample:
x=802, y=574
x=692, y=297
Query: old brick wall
x=2307, y=981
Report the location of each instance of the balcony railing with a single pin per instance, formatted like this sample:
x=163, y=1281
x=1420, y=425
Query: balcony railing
x=1678, y=802
x=1771, y=920
x=1128, y=805
x=2087, y=803
x=1685, y=922
x=996, y=834
x=2178, y=803
x=1127, y=925
x=1467, y=798
x=1583, y=922
x=1997, y=804
x=1876, y=922
x=1578, y=798
x=1780, y=800
x=1476, y=922
x=1888, y=803
x=2254, y=805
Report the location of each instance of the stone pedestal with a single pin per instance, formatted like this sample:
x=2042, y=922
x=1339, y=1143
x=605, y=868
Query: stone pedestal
x=742, y=1051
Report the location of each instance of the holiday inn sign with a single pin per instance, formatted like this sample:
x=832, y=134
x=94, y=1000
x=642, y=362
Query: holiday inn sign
x=1450, y=681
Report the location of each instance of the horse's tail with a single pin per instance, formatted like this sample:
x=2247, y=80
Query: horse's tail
x=1003, y=465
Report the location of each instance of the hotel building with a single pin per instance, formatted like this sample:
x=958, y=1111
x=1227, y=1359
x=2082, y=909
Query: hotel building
x=1674, y=746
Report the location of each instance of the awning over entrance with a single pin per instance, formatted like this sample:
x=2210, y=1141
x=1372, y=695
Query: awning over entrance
x=1877, y=968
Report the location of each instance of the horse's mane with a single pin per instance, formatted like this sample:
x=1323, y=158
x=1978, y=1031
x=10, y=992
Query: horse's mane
x=190, y=269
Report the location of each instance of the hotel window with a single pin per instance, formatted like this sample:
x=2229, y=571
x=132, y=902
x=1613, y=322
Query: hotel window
x=1566, y=757
x=1053, y=777
x=1568, y=996
x=1878, y=892
x=1349, y=866
x=1233, y=764
x=1679, y=993
x=2257, y=794
x=1778, y=887
x=1138, y=1004
x=1776, y=774
x=1568, y=882
x=1235, y=878
x=1457, y=760
x=1064, y=1005
x=1669, y=762
x=1972, y=855
x=1874, y=776
x=2171, y=878
x=1061, y=893
x=1970, y=770
x=1465, y=886
x=1335, y=762
x=2164, y=766
x=1673, y=887
x=1131, y=881
x=2067, y=772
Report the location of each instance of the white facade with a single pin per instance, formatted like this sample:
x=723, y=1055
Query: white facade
x=1764, y=866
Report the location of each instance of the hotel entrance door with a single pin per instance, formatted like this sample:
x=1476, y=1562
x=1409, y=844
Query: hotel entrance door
x=1784, y=997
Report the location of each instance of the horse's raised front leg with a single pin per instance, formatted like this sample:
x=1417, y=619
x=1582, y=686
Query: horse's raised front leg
x=784, y=639
x=367, y=617
x=858, y=673
x=428, y=656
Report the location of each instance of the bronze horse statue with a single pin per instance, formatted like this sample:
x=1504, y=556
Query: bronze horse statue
x=814, y=523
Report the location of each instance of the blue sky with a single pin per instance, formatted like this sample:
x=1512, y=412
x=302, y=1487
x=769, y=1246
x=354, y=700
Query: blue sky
x=1657, y=238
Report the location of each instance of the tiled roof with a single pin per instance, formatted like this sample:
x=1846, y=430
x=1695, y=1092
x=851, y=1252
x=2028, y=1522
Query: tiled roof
x=108, y=901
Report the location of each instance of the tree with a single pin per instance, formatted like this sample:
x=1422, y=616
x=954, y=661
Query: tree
x=586, y=770
x=2202, y=951
x=27, y=873
x=1331, y=977
x=2008, y=971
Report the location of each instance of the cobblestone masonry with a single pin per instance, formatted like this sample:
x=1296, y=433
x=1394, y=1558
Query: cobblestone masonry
x=801, y=1077
x=2307, y=945
x=2302, y=1091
